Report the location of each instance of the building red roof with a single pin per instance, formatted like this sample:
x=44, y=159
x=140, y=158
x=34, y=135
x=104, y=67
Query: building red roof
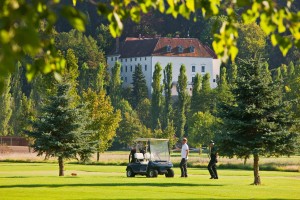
x=179, y=47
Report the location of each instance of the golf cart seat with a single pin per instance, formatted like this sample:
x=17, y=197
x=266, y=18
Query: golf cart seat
x=139, y=157
x=147, y=156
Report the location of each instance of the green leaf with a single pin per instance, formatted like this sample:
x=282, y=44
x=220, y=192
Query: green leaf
x=76, y=18
x=135, y=14
x=243, y=3
x=190, y=4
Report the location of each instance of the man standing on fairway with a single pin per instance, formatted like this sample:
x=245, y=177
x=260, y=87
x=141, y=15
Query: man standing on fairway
x=213, y=161
x=184, y=158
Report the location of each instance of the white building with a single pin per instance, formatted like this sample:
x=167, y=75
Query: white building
x=196, y=57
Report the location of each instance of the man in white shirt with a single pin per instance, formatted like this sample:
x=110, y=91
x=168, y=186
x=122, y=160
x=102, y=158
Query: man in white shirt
x=184, y=158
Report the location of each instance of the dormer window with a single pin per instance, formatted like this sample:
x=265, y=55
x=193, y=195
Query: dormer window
x=192, y=49
x=180, y=49
x=168, y=48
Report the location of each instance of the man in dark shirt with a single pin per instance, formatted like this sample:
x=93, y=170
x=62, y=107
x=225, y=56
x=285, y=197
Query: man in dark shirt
x=213, y=161
x=131, y=155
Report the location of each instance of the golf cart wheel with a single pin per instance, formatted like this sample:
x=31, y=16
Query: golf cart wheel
x=152, y=173
x=130, y=173
x=170, y=173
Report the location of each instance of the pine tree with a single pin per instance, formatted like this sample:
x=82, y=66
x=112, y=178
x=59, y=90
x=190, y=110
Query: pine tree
x=139, y=90
x=115, y=85
x=5, y=107
x=257, y=123
x=182, y=101
x=167, y=114
x=57, y=131
x=156, y=100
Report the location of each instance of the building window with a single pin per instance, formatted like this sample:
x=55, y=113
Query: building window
x=121, y=59
x=168, y=48
x=214, y=80
x=135, y=59
x=116, y=58
x=126, y=69
x=180, y=49
x=192, y=49
x=202, y=68
x=122, y=78
x=193, y=68
x=145, y=67
x=193, y=79
x=125, y=59
x=131, y=68
x=126, y=79
x=145, y=58
x=130, y=59
x=121, y=69
x=140, y=58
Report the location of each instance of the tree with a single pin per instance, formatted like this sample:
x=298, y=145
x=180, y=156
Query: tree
x=103, y=120
x=115, y=84
x=223, y=91
x=257, y=123
x=22, y=19
x=196, y=92
x=104, y=38
x=139, y=90
x=202, y=127
x=167, y=114
x=71, y=74
x=182, y=101
x=252, y=40
x=170, y=133
x=5, y=107
x=156, y=100
x=143, y=111
x=16, y=97
x=206, y=95
x=130, y=127
x=57, y=131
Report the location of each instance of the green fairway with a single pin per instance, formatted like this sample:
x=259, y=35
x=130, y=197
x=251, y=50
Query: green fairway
x=41, y=181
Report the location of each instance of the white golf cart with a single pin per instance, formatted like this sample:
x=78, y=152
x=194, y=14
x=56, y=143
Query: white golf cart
x=150, y=157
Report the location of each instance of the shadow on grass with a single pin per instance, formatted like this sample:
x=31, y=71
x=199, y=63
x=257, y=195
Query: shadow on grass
x=108, y=185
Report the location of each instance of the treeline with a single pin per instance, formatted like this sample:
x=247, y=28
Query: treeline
x=252, y=111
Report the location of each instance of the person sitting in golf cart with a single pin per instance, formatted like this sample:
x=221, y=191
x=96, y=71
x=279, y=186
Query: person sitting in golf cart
x=131, y=155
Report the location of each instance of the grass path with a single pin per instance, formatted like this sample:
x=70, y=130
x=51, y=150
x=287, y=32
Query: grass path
x=41, y=181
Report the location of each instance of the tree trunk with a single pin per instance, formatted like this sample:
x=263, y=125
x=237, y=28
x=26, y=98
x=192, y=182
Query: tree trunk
x=61, y=166
x=256, y=170
x=98, y=156
x=200, y=149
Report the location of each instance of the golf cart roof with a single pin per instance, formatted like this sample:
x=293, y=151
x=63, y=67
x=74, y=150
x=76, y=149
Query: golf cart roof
x=149, y=139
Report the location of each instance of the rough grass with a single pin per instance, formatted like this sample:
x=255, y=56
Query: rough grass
x=41, y=181
x=120, y=158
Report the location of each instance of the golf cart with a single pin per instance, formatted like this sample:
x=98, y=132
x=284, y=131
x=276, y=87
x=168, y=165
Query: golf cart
x=150, y=157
